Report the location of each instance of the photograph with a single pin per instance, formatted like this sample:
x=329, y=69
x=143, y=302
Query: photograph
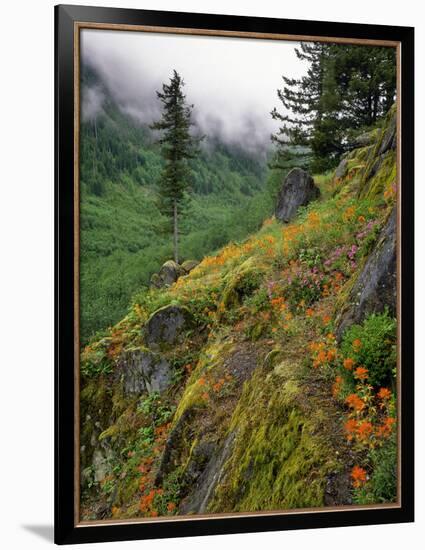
x=238, y=208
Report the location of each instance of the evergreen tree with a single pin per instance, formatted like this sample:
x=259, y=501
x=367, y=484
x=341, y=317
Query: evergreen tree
x=177, y=147
x=305, y=124
x=366, y=79
x=346, y=88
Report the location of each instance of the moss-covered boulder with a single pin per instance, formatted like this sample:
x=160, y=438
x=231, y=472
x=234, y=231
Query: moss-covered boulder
x=188, y=265
x=280, y=456
x=376, y=285
x=297, y=190
x=167, y=275
x=167, y=326
x=241, y=282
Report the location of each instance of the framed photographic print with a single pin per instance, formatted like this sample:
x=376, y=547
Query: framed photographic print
x=234, y=271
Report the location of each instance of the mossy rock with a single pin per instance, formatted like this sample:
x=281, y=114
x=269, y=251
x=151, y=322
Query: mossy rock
x=212, y=356
x=167, y=326
x=380, y=168
x=374, y=288
x=188, y=265
x=241, y=282
x=279, y=460
x=167, y=275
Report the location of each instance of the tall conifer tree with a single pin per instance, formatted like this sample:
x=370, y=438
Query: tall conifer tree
x=177, y=147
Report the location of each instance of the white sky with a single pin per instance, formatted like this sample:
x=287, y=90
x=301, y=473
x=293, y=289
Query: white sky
x=231, y=81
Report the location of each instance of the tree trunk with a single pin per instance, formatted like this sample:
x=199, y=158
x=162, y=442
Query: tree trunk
x=176, y=235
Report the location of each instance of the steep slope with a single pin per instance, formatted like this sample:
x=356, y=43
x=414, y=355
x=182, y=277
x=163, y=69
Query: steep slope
x=229, y=391
x=123, y=233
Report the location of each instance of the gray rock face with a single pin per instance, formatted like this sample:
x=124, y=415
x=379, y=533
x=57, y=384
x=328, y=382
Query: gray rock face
x=166, y=326
x=202, y=493
x=376, y=285
x=341, y=169
x=297, y=190
x=143, y=370
x=171, y=454
x=389, y=139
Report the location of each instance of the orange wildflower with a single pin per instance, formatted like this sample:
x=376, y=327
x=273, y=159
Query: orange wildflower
x=336, y=386
x=349, y=213
x=314, y=346
x=364, y=430
x=313, y=218
x=217, y=386
x=358, y=475
x=330, y=356
x=386, y=428
x=351, y=427
x=348, y=363
x=355, y=402
x=361, y=373
x=171, y=506
x=384, y=393
x=309, y=312
x=146, y=501
x=357, y=344
x=361, y=219
x=321, y=356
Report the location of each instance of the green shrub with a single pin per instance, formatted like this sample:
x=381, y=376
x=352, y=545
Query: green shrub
x=373, y=345
x=382, y=485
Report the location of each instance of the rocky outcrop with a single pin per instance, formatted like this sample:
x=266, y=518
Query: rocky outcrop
x=167, y=275
x=141, y=370
x=375, y=287
x=342, y=168
x=365, y=139
x=173, y=447
x=297, y=190
x=166, y=326
x=203, y=490
x=188, y=265
x=380, y=165
x=170, y=272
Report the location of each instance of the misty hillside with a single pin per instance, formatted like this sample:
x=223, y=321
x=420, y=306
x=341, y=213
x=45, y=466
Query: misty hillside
x=265, y=379
x=123, y=237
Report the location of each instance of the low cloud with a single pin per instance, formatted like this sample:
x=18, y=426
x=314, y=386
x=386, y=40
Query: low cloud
x=231, y=82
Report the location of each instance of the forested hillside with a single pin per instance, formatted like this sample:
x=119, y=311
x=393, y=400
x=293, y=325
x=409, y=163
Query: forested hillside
x=123, y=236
